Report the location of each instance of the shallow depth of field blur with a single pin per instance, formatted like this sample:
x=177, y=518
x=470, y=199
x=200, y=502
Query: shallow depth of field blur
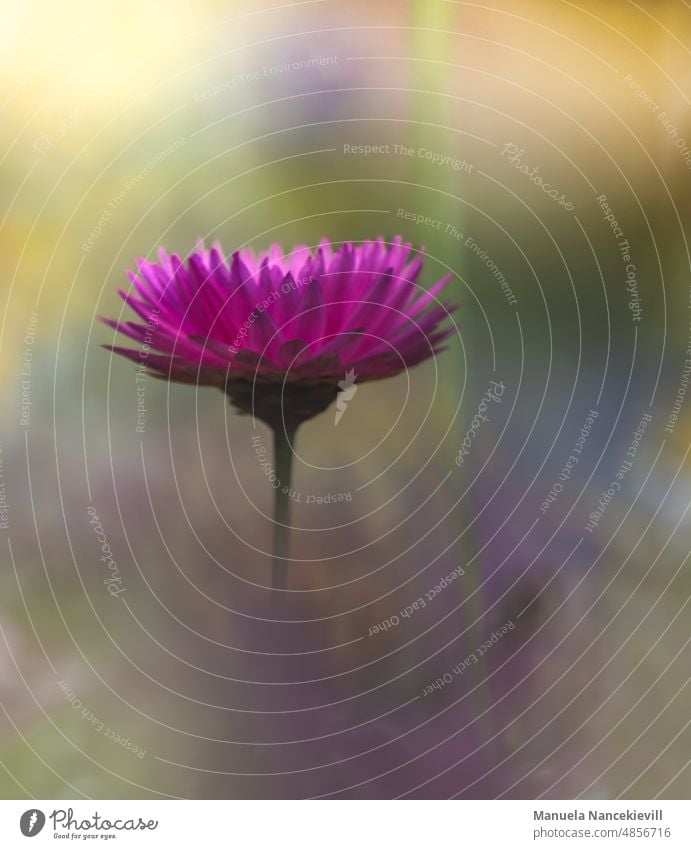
x=130, y=126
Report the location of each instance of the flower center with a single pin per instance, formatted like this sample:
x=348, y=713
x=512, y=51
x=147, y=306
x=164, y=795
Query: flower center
x=281, y=404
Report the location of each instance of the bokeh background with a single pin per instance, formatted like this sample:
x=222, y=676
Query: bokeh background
x=134, y=125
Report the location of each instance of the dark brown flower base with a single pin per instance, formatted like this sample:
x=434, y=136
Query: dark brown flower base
x=281, y=405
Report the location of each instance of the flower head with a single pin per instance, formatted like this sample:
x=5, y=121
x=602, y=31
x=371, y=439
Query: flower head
x=283, y=326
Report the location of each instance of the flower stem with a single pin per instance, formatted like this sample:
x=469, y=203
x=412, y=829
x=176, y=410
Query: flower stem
x=283, y=460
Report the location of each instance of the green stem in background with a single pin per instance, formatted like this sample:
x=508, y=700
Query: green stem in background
x=283, y=461
x=433, y=44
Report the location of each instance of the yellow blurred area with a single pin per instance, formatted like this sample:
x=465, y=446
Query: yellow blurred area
x=89, y=87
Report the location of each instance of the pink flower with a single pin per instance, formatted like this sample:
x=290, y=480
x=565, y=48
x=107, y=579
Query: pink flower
x=307, y=317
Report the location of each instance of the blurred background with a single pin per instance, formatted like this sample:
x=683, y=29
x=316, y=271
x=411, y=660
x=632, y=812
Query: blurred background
x=539, y=151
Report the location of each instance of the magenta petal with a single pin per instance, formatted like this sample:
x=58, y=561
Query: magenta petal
x=304, y=314
x=310, y=318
